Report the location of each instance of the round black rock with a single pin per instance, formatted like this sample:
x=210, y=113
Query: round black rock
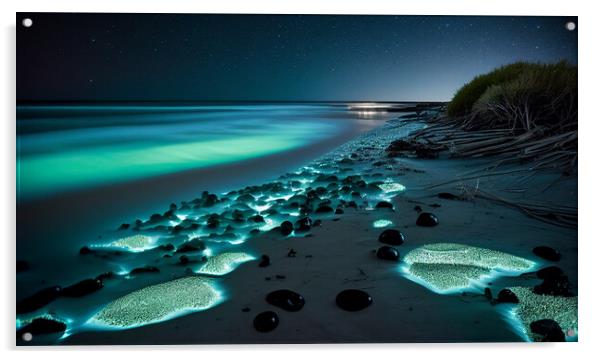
x=41, y=326
x=286, y=299
x=304, y=224
x=391, y=237
x=547, y=330
x=266, y=321
x=324, y=209
x=426, y=219
x=38, y=300
x=353, y=300
x=82, y=288
x=558, y=286
x=387, y=253
x=286, y=228
x=265, y=261
x=507, y=296
x=384, y=205
x=550, y=272
x=547, y=253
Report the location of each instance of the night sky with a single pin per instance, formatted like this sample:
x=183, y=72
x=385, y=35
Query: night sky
x=152, y=57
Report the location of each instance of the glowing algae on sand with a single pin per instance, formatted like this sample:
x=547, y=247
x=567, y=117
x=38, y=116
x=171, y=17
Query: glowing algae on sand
x=224, y=263
x=391, y=187
x=158, y=303
x=135, y=243
x=381, y=223
x=450, y=267
x=532, y=307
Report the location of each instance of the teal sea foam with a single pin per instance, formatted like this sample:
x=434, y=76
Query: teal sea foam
x=67, y=148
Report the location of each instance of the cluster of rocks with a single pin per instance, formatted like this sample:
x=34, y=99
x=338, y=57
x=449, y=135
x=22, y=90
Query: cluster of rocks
x=47, y=295
x=351, y=300
x=554, y=283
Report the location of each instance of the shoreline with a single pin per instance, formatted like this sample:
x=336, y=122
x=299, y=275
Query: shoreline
x=340, y=255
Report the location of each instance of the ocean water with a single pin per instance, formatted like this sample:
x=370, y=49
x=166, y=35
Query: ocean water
x=82, y=170
x=71, y=148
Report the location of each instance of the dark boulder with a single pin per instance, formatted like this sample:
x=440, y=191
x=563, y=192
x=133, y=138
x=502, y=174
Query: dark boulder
x=82, y=288
x=547, y=330
x=265, y=260
x=547, y=253
x=124, y=226
x=213, y=221
x=184, y=260
x=507, y=296
x=187, y=247
x=384, y=205
x=286, y=228
x=339, y=211
x=387, y=253
x=266, y=321
x=353, y=300
x=324, y=209
x=41, y=326
x=549, y=273
x=286, y=299
x=192, y=245
x=426, y=219
x=86, y=250
x=105, y=275
x=391, y=237
x=256, y=219
x=558, y=285
x=167, y=247
x=303, y=224
x=38, y=300
x=145, y=269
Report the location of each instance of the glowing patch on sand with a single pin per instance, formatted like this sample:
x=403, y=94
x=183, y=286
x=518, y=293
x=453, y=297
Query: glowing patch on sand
x=269, y=225
x=533, y=307
x=449, y=267
x=224, y=263
x=135, y=243
x=381, y=223
x=158, y=303
x=391, y=187
x=261, y=208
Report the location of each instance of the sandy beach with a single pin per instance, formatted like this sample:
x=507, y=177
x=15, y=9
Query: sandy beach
x=368, y=188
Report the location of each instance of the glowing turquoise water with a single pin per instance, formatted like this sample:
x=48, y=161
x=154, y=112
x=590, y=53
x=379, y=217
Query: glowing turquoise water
x=73, y=147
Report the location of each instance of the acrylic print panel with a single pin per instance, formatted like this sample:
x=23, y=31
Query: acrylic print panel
x=202, y=179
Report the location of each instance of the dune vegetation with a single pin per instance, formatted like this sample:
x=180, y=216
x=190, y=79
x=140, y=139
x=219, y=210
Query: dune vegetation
x=522, y=112
x=520, y=96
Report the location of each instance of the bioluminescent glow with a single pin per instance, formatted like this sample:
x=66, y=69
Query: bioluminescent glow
x=269, y=225
x=157, y=150
x=158, y=303
x=224, y=263
x=260, y=208
x=532, y=307
x=449, y=267
x=381, y=223
x=135, y=243
x=391, y=187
